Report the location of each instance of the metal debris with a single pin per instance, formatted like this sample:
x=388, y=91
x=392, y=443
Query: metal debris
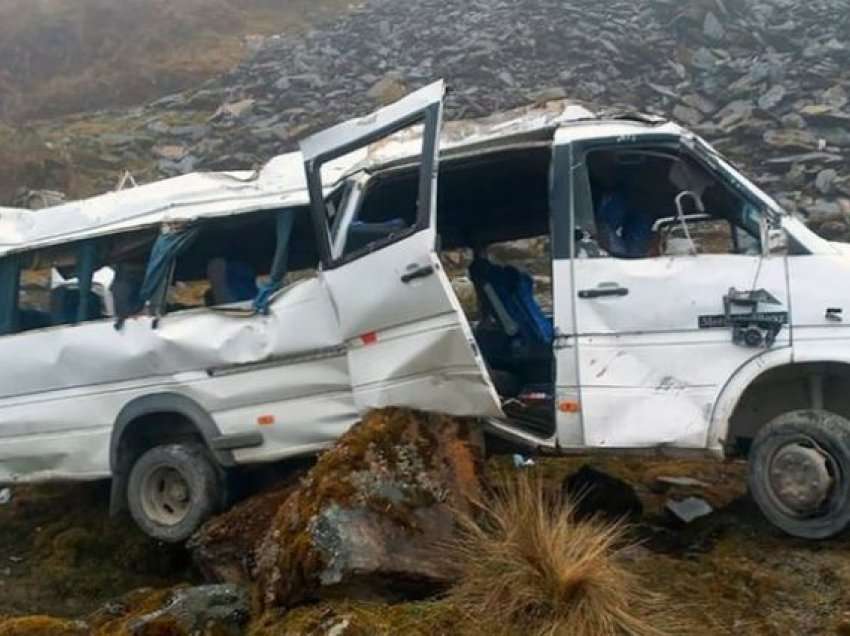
x=689, y=509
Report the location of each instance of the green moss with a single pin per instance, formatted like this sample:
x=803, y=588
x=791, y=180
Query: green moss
x=73, y=555
x=41, y=626
x=364, y=619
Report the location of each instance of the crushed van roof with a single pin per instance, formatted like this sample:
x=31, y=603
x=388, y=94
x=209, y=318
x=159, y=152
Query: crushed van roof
x=279, y=183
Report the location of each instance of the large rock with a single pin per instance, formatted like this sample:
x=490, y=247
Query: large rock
x=224, y=548
x=367, y=518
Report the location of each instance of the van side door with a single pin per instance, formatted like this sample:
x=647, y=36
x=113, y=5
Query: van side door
x=670, y=299
x=408, y=341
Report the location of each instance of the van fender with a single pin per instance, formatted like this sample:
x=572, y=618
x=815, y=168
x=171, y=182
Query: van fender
x=168, y=403
x=221, y=446
x=731, y=393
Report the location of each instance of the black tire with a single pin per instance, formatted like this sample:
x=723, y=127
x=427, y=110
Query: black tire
x=799, y=473
x=173, y=489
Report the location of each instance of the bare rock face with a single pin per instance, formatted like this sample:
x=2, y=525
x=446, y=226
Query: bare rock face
x=367, y=518
x=207, y=610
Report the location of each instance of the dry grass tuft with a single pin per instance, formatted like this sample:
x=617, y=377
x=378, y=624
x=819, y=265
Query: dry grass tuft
x=527, y=566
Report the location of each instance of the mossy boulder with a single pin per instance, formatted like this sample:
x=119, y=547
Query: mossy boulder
x=224, y=548
x=367, y=518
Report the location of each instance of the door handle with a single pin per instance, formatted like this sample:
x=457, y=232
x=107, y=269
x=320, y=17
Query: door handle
x=599, y=292
x=420, y=272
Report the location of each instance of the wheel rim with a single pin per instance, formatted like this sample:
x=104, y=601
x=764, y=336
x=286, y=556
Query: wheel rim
x=802, y=478
x=166, y=496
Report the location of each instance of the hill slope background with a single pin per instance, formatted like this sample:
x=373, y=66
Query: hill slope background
x=66, y=56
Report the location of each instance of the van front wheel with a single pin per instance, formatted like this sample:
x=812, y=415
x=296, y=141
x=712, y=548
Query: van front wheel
x=799, y=473
x=172, y=490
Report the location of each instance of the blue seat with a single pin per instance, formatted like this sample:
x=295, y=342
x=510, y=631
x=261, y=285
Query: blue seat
x=507, y=295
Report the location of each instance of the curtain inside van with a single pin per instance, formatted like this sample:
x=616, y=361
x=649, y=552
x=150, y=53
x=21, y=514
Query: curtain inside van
x=162, y=257
x=10, y=276
x=280, y=266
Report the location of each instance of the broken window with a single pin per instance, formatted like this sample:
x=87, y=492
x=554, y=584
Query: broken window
x=493, y=239
x=374, y=211
x=73, y=283
x=649, y=202
x=493, y=217
x=234, y=259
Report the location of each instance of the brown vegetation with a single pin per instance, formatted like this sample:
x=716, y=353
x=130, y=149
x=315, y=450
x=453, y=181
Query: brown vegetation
x=526, y=565
x=65, y=56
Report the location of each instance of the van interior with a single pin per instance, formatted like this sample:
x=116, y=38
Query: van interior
x=493, y=240
x=73, y=282
x=668, y=198
x=217, y=269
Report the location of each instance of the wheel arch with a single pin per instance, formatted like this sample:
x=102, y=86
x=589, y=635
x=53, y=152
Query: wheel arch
x=161, y=417
x=771, y=385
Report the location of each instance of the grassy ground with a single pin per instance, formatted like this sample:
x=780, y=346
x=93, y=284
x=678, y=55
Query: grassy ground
x=729, y=573
x=63, y=555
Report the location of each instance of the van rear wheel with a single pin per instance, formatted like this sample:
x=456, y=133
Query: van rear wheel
x=172, y=490
x=799, y=473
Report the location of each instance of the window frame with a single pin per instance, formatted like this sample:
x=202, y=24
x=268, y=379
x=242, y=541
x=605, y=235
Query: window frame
x=581, y=197
x=423, y=108
x=362, y=185
x=20, y=260
x=159, y=302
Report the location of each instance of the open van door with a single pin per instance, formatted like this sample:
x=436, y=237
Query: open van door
x=408, y=341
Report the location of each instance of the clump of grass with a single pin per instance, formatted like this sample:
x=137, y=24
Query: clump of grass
x=526, y=565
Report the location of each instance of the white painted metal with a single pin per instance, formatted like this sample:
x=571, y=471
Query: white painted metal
x=567, y=376
x=60, y=398
x=649, y=375
x=408, y=343
x=408, y=340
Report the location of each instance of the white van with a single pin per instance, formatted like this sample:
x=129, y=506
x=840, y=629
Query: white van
x=254, y=317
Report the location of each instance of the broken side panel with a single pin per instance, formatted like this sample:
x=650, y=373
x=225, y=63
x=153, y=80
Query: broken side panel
x=408, y=341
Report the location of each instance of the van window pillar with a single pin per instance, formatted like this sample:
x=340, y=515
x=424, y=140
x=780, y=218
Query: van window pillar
x=284, y=222
x=86, y=260
x=10, y=278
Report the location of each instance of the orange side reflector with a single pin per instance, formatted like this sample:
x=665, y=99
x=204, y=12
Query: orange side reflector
x=265, y=420
x=569, y=406
x=369, y=338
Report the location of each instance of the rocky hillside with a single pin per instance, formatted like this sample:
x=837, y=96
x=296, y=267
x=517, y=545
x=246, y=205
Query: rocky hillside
x=766, y=80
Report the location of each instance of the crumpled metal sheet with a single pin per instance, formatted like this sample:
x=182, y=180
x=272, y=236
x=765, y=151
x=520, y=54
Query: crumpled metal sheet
x=280, y=183
x=291, y=362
